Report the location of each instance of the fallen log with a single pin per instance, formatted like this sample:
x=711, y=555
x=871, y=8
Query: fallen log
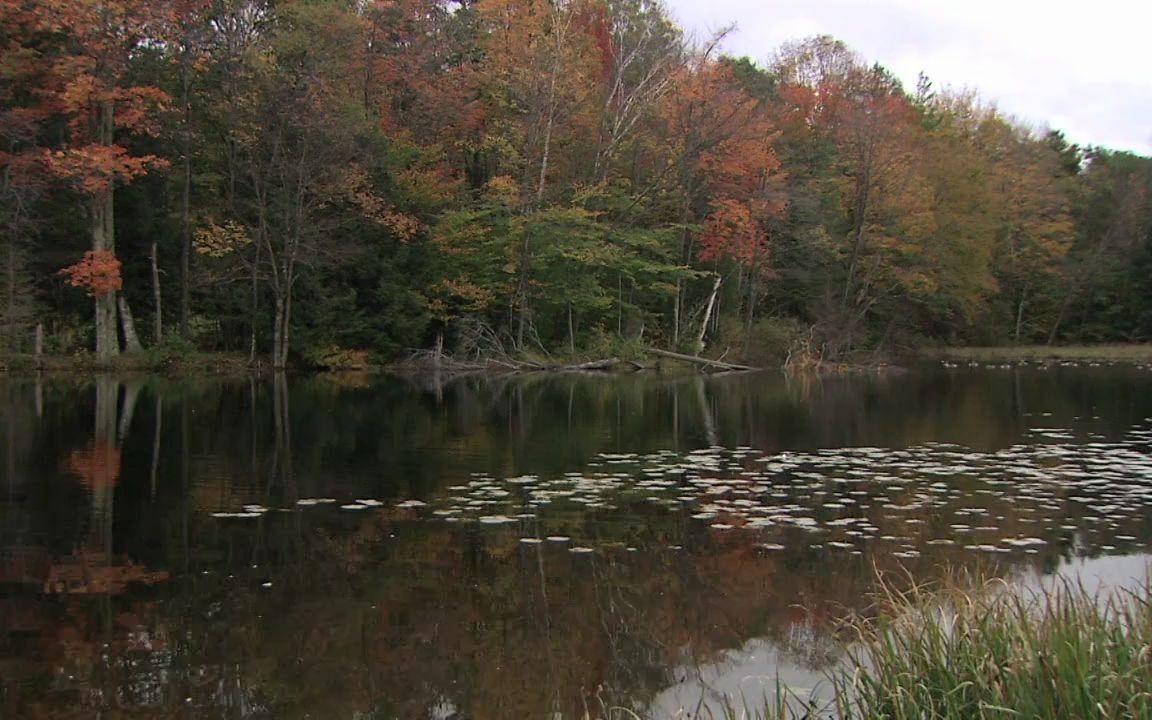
x=605, y=364
x=702, y=361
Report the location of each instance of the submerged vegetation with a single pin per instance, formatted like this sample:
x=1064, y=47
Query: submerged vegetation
x=323, y=183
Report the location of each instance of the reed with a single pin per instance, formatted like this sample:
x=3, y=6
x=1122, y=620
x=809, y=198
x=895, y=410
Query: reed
x=987, y=651
x=998, y=652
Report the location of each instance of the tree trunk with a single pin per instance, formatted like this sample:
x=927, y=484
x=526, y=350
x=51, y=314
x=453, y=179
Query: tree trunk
x=255, y=304
x=686, y=255
x=708, y=313
x=1060, y=315
x=571, y=332
x=620, y=305
x=522, y=291
x=1020, y=315
x=107, y=340
x=280, y=332
x=863, y=190
x=752, y=288
x=277, y=333
x=185, y=209
x=696, y=359
x=103, y=231
x=128, y=325
x=157, y=307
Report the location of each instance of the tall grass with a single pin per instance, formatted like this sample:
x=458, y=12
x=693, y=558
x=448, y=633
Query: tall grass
x=991, y=651
x=999, y=652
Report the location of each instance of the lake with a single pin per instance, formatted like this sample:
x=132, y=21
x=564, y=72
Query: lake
x=541, y=546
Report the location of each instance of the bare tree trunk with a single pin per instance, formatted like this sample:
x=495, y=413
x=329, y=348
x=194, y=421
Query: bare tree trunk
x=39, y=346
x=1020, y=315
x=571, y=332
x=128, y=325
x=685, y=239
x=560, y=33
x=863, y=191
x=286, y=333
x=522, y=291
x=620, y=305
x=1060, y=315
x=708, y=313
x=751, y=311
x=255, y=310
x=280, y=331
x=157, y=317
x=277, y=333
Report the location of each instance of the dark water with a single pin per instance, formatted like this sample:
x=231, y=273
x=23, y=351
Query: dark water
x=539, y=547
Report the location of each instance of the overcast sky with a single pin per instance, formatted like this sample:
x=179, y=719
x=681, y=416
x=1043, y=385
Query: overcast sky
x=1081, y=67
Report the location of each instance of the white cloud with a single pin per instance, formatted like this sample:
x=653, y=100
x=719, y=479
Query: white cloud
x=1080, y=67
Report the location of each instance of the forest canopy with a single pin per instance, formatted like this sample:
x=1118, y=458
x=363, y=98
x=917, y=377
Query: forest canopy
x=307, y=179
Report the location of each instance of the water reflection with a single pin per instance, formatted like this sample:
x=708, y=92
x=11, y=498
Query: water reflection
x=120, y=592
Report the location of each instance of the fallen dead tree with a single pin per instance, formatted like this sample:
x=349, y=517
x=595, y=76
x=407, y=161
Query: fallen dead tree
x=701, y=361
x=425, y=361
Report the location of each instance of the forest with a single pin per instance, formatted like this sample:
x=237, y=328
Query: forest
x=313, y=183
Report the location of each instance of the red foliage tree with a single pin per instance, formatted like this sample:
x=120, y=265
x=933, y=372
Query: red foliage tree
x=98, y=273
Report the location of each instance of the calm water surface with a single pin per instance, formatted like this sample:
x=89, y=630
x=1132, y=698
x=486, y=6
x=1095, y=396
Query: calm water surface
x=532, y=547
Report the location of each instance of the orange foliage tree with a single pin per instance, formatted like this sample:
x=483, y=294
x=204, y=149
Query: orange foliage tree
x=722, y=139
x=88, y=85
x=98, y=273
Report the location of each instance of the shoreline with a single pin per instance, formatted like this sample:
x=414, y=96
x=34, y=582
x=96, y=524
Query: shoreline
x=237, y=365
x=1114, y=353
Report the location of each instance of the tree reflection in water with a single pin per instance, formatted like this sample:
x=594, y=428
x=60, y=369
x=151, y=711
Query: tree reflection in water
x=121, y=594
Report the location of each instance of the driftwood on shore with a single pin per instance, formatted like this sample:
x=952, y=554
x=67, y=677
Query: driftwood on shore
x=701, y=361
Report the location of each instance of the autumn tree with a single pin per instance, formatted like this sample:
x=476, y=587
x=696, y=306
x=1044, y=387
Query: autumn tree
x=91, y=90
x=886, y=211
x=724, y=173
x=641, y=53
x=297, y=148
x=1032, y=198
x=539, y=68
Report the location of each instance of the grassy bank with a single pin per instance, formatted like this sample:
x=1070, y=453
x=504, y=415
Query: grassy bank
x=993, y=652
x=1135, y=352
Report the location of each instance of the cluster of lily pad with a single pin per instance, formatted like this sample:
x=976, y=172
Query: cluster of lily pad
x=1082, y=491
